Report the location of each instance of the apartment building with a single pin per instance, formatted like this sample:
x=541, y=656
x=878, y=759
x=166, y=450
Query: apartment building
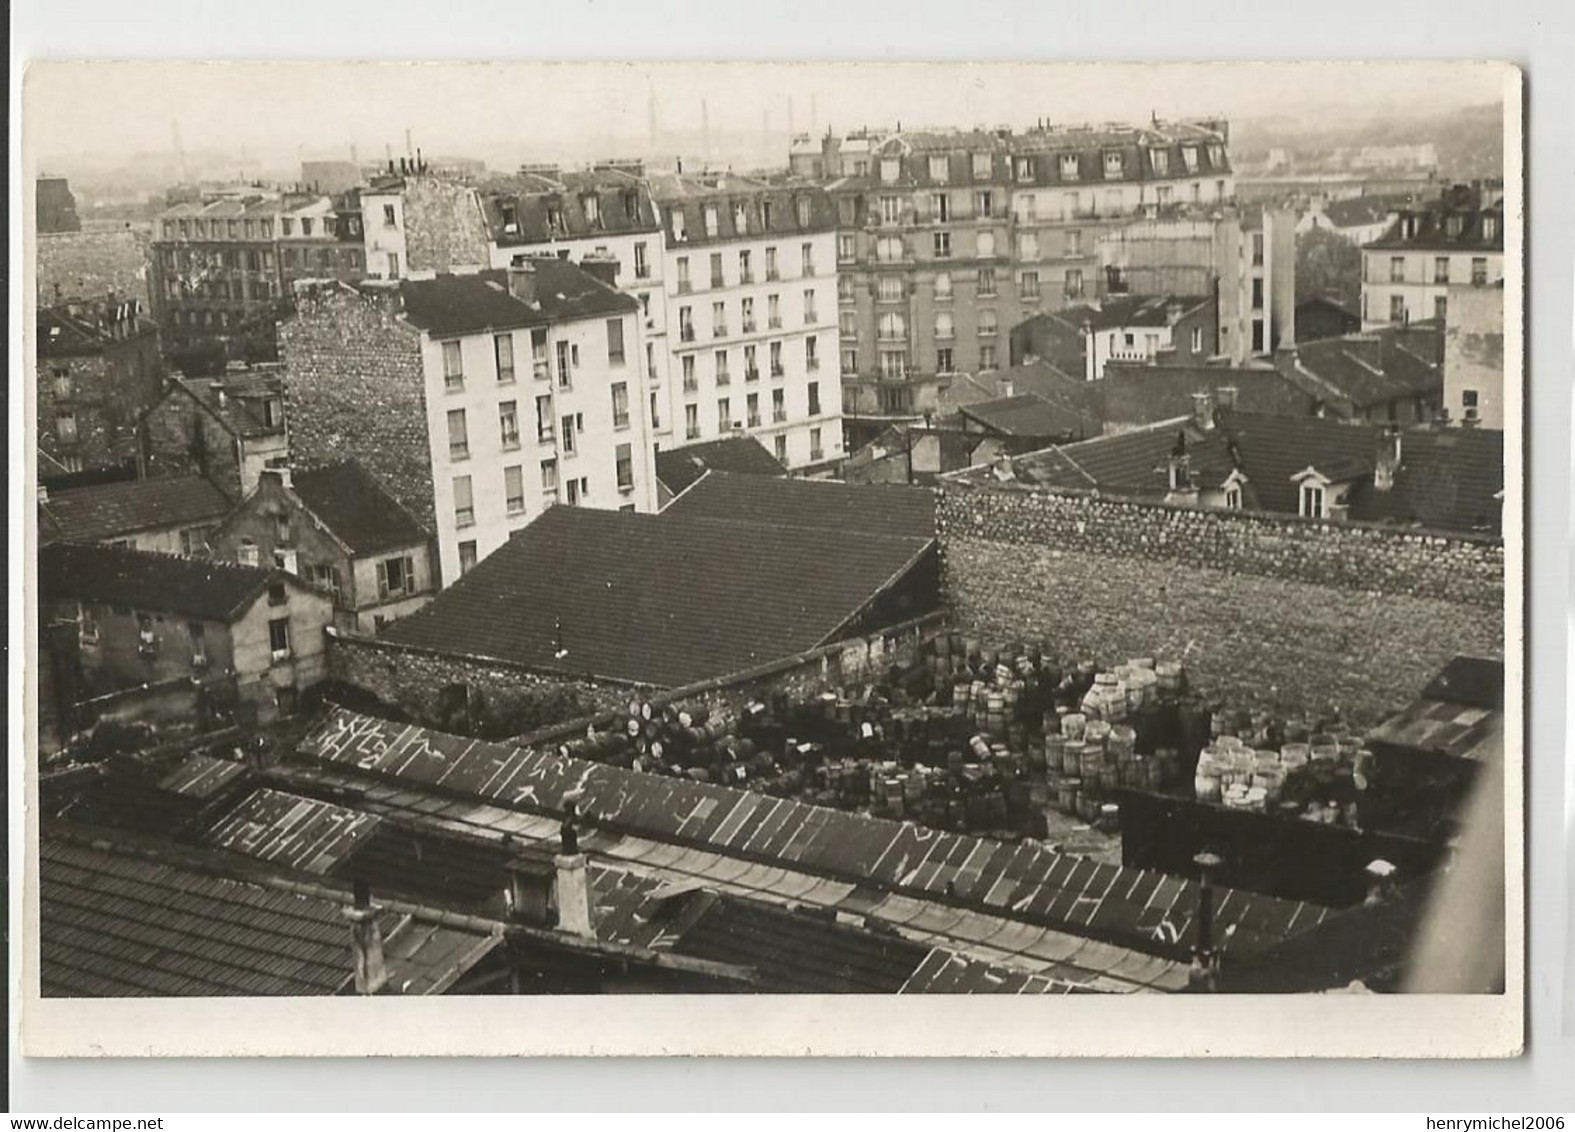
x=1474, y=356
x=947, y=240
x=228, y=429
x=1457, y=240
x=479, y=399
x=751, y=276
x=98, y=366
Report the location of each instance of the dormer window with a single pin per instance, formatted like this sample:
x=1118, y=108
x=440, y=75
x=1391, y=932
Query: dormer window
x=1217, y=156
x=1454, y=225
x=1069, y=170
x=1113, y=165
x=1189, y=157
x=1161, y=161
x=939, y=170
x=1232, y=489
x=711, y=221
x=1024, y=168
x=679, y=232
x=740, y=220
x=511, y=220
x=593, y=210
x=1489, y=227
x=1313, y=501
x=981, y=167
x=890, y=170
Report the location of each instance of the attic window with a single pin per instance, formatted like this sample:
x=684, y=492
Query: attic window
x=1217, y=156
x=1113, y=164
x=276, y=594
x=1161, y=161
x=593, y=209
x=631, y=205
x=1454, y=225
x=555, y=219
x=1313, y=502
x=1189, y=157
x=1489, y=227
x=1069, y=170
x=1233, y=497
x=740, y=219
x=511, y=221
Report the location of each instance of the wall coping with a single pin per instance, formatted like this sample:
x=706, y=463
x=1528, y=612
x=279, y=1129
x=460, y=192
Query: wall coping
x=945, y=485
x=336, y=633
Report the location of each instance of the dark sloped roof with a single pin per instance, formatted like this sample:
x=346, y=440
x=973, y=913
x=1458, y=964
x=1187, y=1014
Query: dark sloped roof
x=1432, y=232
x=664, y=599
x=677, y=468
x=1141, y=394
x=887, y=510
x=1026, y=414
x=357, y=508
x=240, y=409
x=1355, y=212
x=106, y=511
x=451, y=305
x=1373, y=369
x=531, y=202
x=1141, y=310
x=197, y=587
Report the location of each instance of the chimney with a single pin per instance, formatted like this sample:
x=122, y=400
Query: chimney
x=1203, y=410
x=522, y=282
x=1388, y=460
x=529, y=894
x=1225, y=396
x=1007, y=386
x=1380, y=881
x=1205, y=960
x=574, y=890
x=603, y=265
x=366, y=941
x=280, y=474
x=1173, y=313
x=217, y=389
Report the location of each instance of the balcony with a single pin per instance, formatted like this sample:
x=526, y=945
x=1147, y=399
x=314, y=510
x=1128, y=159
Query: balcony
x=546, y=435
x=749, y=326
x=752, y=373
x=691, y=385
x=773, y=275
x=642, y=271
x=774, y=322
x=719, y=330
x=817, y=453
x=754, y=421
x=723, y=377
x=1130, y=355
x=745, y=278
x=777, y=371
x=717, y=283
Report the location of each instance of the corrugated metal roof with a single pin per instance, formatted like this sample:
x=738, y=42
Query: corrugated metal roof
x=286, y=829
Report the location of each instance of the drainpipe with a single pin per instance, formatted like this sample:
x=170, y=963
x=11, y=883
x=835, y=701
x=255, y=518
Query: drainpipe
x=1204, y=975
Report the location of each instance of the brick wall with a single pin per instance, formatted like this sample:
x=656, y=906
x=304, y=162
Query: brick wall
x=354, y=388
x=444, y=228
x=1267, y=612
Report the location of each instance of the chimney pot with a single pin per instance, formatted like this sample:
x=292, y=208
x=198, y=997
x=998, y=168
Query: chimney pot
x=530, y=893
x=522, y=281
x=366, y=941
x=1203, y=410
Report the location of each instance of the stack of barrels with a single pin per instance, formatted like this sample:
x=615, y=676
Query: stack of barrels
x=1284, y=768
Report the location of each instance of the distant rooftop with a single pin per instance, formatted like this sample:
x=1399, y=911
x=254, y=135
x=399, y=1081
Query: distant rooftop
x=453, y=305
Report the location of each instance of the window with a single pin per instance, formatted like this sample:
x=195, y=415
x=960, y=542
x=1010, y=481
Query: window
x=248, y=552
x=1233, y=497
x=752, y=405
x=1257, y=249
x=943, y=245
x=1257, y=336
x=895, y=399
x=396, y=576
x=453, y=366
x=986, y=281
x=1397, y=308
x=891, y=326
x=1189, y=157
x=650, y=362
x=680, y=232
x=281, y=527
x=809, y=308
x=776, y=359
x=981, y=167
x=806, y=254
x=1023, y=168
x=389, y=219
x=642, y=261
x=684, y=285
x=724, y=414
x=941, y=207
x=987, y=324
x=1468, y=404
x=464, y=507
x=850, y=361
x=1113, y=165
x=656, y=417
x=893, y=365
x=467, y=556
x=889, y=289
x=986, y=357
x=774, y=312
x=890, y=210
x=66, y=426
x=691, y=422
x=722, y=368
x=393, y=265
x=1440, y=307
x=751, y=370
x=1028, y=285
x=943, y=285
x=1160, y=159
x=719, y=320
x=986, y=244
x=691, y=382
x=1257, y=294
x=1312, y=501
x=1028, y=246
x=711, y=220
x=1197, y=339
x=779, y=443
x=1489, y=227
x=549, y=476
x=890, y=170
x=718, y=281
x=514, y=488
x=686, y=324
x=1397, y=269
x=740, y=219
x=847, y=248
x=279, y=637
x=620, y=404
x=544, y=418
x=943, y=360
x=944, y=327
x=458, y=439
x=1069, y=167
x=615, y=341
x=326, y=578
x=888, y=249
x=747, y=314
x=509, y=424
x=814, y=398
x=811, y=354
x=273, y=412
x=1441, y=269
x=1479, y=271
x=194, y=541
x=567, y=438
x=772, y=271
x=565, y=364
x=593, y=210
x=816, y=452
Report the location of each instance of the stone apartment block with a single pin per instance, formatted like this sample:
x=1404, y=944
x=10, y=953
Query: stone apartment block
x=228, y=429
x=98, y=367
x=947, y=240
x=1458, y=239
x=477, y=399
x=751, y=278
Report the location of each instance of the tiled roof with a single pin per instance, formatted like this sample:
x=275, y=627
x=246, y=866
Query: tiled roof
x=1077, y=402
x=1129, y=463
x=1358, y=212
x=1141, y=310
x=530, y=201
x=892, y=871
x=202, y=776
x=451, y=305
x=1432, y=233
x=240, y=410
x=1371, y=370
x=357, y=508
x=197, y=587
x=1026, y=415
x=884, y=510
x=1141, y=394
x=106, y=511
x=677, y=468
x=621, y=594
x=119, y=923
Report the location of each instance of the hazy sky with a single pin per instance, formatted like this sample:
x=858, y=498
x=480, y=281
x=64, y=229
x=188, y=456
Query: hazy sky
x=71, y=109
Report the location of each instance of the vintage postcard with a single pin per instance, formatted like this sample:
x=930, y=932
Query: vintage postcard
x=793, y=559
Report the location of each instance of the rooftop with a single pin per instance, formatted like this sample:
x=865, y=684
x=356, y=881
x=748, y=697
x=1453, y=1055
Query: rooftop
x=239, y=400
x=1363, y=371
x=677, y=468
x=765, y=210
x=357, y=508
x=114, y=510
x=878, y=510
x=1028, y=415
x=196, y=587
x=451, y=305
x=617, y=595
x=1141, y=310
x=534, y=208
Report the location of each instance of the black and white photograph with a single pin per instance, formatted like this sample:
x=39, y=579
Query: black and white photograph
x=798, y=537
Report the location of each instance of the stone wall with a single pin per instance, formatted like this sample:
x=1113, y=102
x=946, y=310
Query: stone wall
x=1267, y=612
x=354, y=387
x=444, y=228
x=89, y=265
x=180, y=435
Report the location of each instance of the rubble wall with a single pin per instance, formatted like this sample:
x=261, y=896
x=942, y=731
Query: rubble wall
x=1266, y=611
